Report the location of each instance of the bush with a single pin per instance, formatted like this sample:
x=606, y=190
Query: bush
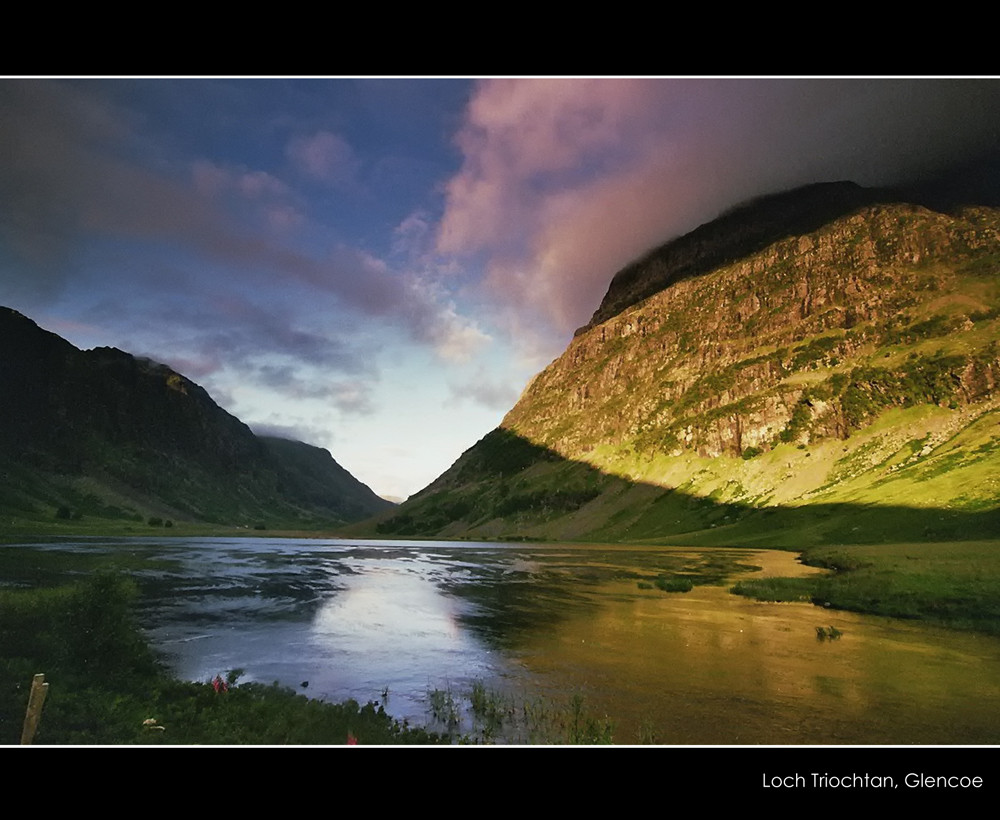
x=674, y=584
x=97, y=630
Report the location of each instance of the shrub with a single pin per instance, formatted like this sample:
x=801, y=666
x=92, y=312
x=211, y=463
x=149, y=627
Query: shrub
x=674, y=584
x=97, y=629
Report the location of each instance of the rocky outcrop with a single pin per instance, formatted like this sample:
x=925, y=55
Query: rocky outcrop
x=722, y=362
x=827, y=346
x=739, y=233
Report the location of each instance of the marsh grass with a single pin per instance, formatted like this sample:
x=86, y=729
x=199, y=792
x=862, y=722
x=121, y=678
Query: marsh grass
x=445, y=708
x=954, y=584
x=687, y=572
x=674, y=584
x=488, y=716
x=775, y=589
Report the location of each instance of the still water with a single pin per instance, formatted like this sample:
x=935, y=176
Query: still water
x=393, y=621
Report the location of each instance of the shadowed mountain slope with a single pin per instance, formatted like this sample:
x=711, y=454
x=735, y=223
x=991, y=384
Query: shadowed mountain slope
x=103, y=433
x=824, y=352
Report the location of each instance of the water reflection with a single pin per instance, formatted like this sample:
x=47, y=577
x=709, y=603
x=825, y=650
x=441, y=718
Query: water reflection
x=392, y=628
x=359, y=619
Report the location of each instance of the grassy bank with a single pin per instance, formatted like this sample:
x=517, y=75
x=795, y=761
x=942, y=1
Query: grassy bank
x=107, y=687
x=952, y=584
x=26, y=531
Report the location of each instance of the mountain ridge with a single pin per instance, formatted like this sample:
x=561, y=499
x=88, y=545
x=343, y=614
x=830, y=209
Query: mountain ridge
x=842, y=365
x=737, y=232
x=123, y=436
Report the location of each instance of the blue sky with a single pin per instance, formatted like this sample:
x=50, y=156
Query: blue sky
x=379, y=265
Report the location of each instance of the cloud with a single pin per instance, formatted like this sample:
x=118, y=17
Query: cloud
x=351, y=397
x=230, y=331
x=435, y=320
x=325, y=157
x=485, y=391
x=256, y=195
x=212, y=179
x=565, y=181
x=279, y=428
x=78, y=170
x=524, y=140
x=411, y=236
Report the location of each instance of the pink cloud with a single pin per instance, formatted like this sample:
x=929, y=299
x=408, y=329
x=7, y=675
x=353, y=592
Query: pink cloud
x=324, y=156
x=565, y=181
x=524, y=139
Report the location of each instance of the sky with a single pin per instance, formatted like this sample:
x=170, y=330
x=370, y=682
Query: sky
x=378, y=266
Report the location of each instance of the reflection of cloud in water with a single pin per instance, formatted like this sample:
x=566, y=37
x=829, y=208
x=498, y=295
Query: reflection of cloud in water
x=390, y=605
x=393, y=627
x=523, y=566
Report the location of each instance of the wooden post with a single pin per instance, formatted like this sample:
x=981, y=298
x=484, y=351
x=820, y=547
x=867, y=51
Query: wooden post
x=39, y=689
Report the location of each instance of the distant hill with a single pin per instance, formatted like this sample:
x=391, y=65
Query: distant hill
x=102, y=433
x=820, y=365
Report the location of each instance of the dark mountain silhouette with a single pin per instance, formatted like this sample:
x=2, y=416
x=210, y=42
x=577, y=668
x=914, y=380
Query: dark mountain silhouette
x=102, y=432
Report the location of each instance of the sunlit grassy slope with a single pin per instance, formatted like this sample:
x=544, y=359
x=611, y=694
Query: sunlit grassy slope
x=834, y=387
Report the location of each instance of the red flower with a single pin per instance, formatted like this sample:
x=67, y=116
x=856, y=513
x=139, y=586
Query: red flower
x=351, y=740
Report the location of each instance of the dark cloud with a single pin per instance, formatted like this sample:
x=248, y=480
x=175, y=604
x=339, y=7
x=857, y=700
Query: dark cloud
x=266, y=345
x=77, y=169
x=67, y=176
x=353, y=396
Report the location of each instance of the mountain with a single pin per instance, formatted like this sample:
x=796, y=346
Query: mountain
x=820, y=365
x=102, y=433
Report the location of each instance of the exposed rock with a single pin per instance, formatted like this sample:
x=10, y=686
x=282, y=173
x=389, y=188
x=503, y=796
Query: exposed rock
x=793, y=324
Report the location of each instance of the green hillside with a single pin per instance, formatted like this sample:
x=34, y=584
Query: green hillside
x=833, y=386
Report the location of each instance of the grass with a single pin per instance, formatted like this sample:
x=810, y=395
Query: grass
x=956, y=584
x=496, y=717
x=445, y=708
x=107, y=687
x=675, y=584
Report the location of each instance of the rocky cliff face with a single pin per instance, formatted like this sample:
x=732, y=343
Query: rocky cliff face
x=120, y=436
x=822, y=346
x=739, y=233
x=766, y=349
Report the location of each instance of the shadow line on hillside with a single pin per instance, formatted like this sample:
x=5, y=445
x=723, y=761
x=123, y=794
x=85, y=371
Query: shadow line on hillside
x=507, y=488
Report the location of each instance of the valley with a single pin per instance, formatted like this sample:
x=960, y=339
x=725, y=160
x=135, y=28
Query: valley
x=817, y=372
x=837, y=386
